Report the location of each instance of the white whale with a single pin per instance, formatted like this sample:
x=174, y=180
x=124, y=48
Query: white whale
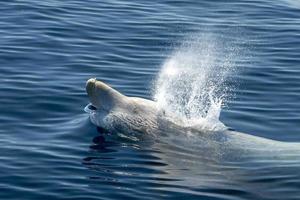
x=116, y=112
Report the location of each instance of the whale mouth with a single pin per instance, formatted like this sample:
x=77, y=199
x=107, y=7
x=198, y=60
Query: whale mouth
x=90, y=108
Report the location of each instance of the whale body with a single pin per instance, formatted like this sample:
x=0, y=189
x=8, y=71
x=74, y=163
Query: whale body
x=113, y=111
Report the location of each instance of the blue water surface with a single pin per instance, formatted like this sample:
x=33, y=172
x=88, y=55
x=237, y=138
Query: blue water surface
x=48, y=49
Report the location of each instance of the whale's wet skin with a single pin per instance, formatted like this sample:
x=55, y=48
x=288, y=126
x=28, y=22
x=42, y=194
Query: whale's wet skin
x=115, y=112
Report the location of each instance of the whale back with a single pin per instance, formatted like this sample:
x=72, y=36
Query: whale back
x=103, y=96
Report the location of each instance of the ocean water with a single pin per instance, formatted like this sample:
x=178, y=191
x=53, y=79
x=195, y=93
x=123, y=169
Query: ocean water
x=241, y=55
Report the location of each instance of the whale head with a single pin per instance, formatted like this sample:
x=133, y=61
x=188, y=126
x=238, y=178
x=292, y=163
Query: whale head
x=102, y=96
x=113, y=111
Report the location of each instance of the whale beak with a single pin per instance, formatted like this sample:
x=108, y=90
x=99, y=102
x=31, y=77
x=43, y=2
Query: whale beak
x=92, y=92
x=101, y=95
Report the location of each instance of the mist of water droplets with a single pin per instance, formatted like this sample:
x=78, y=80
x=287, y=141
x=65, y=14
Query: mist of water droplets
x=192, y=83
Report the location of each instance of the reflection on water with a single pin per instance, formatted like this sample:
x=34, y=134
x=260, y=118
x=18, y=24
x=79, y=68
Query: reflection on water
x=50, y=48
x=163, y=164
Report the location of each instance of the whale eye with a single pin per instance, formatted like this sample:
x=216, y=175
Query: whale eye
x=135, y=110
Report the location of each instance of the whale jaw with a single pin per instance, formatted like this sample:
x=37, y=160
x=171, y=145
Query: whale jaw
x=102, y=96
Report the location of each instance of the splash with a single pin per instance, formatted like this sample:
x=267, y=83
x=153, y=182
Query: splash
x=192, y=83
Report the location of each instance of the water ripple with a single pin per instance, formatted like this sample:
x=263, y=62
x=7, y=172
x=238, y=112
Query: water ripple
x=49, y=149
